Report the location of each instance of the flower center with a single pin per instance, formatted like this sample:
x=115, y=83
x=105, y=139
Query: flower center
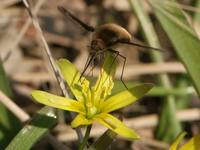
x=92, y=110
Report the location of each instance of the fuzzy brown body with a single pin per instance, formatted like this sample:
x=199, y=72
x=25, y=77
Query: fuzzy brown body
x=107, y=35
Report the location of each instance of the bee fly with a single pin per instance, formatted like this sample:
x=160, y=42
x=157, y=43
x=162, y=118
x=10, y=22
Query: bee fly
x=103, y=38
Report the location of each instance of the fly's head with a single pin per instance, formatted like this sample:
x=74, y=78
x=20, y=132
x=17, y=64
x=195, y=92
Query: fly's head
x=97, y=45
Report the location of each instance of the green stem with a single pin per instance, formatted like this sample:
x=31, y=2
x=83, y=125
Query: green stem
x=85, y=139
x=158, y=90
x=169, y=107
x=180, y=91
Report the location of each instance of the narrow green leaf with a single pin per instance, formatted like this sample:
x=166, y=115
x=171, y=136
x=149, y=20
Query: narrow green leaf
x=196, y=16
x=182, y=36
x=4, y=82
x=34, y=130
x=9, y=124
x=168, y=106
x=156, y=90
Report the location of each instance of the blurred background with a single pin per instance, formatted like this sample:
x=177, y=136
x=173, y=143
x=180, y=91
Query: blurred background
x=170, y=107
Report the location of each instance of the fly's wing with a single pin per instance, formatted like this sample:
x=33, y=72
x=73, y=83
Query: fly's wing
x=67, y=13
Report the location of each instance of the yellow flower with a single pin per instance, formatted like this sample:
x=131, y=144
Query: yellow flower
x=93, y=103
x=192, y=144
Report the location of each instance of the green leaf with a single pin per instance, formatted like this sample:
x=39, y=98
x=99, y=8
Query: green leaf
x=57, y=101
x=34, y=130
x=168, y=107
x=72, y=77
x=196, y=16
x=9, y=124
x=182, y=36
x=125, y=98
x=174, y=146
x=116, y=126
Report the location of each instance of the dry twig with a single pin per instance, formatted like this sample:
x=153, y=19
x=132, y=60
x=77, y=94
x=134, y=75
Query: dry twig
x=139, y=69
x=18, y=112
x=23, y=30
x=48, y=52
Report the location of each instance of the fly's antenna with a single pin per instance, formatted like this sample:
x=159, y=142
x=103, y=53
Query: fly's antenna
x=66, y=13
x=144, y=46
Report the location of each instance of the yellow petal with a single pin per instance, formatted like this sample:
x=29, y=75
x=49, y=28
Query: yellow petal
x=174, y=146
x=125, y=98
x=72, y=77
x=80, y=120
x=193, y=144
x=57, y=101
x=116, y=126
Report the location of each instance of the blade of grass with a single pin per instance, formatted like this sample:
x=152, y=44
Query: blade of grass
x=168, y=111
x=196, y=18
x=24, y=117
x=158, y=91
x=9, y=124
x=182, y=101
x=196, y=15
x=34, y=130
x=182, y=36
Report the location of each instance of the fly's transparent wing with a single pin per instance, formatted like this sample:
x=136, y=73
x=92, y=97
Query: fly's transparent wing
x=67, y=13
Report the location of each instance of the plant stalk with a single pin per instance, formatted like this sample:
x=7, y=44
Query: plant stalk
x=85, y=138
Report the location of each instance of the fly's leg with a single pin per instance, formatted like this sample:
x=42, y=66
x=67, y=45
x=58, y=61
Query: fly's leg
x=124, y=63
